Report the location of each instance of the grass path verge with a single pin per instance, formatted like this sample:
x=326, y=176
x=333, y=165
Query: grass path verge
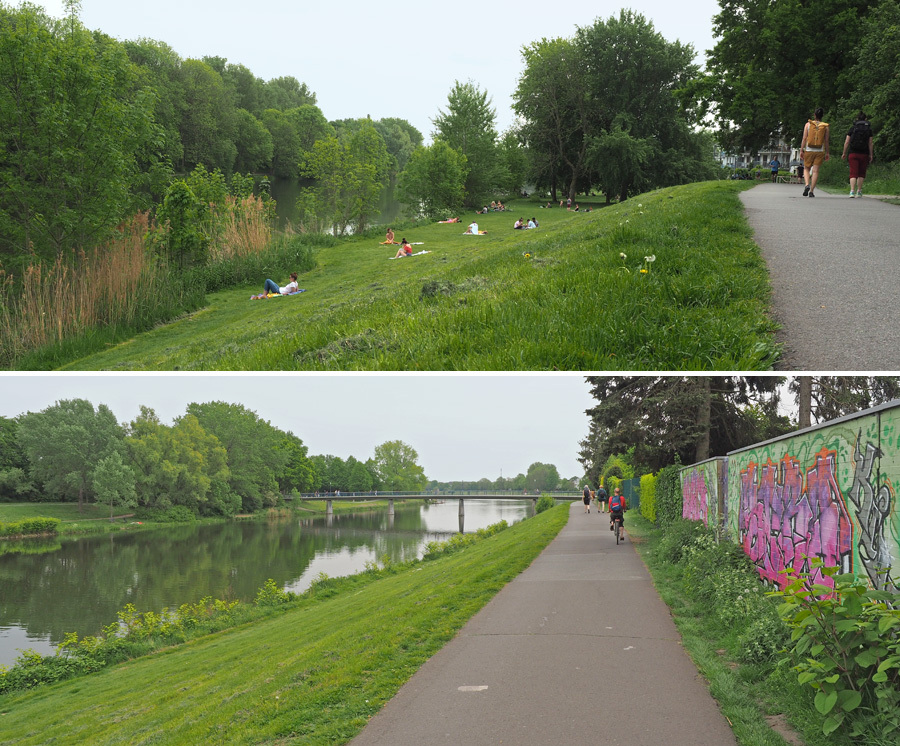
x=557, y=298
x=314, y=673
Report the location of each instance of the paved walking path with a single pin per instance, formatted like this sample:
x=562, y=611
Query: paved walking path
x=579, y=649
x=833, y=267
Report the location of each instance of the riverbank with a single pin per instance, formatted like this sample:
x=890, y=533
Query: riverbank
x=94, y=519
x=560, y=297
x=315, y=671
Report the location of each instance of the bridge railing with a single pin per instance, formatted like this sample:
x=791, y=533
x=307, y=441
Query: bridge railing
x=438, y=494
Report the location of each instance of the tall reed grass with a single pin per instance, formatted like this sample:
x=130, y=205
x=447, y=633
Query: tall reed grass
x=126, y=283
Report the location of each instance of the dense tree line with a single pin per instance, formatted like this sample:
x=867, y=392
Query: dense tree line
x=774, y=63
x=93, y=129
x=540, y=477
x=216, y=459
x=661, y=420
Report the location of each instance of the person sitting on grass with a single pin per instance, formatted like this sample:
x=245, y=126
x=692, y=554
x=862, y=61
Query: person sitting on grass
x=472, y=229
x=519, y=225
x=532, y=224
x=389, y=238
x=271, y=288
x=404, y=250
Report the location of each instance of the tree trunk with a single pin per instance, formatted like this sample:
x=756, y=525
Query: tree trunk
x=703, y=419
x=804, y=401
x=81, y=499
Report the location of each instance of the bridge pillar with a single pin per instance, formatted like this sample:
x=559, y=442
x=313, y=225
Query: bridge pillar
x=391, y=507
x=462, y=510
x=533, y=506
x=329, y=507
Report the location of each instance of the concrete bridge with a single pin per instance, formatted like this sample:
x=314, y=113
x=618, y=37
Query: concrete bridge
x=434, y=495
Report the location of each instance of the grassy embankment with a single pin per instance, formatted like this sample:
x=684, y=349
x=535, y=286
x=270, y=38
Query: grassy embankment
x=881, y=178
x=315, y=672
x=760, y=700
x=559, y=297
x=94, y=519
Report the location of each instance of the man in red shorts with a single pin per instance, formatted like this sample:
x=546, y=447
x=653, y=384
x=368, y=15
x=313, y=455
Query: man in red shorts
x=861, y=152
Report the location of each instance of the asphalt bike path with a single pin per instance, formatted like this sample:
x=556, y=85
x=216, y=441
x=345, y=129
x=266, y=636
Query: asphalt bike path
x=832, y=265
x=578, y=649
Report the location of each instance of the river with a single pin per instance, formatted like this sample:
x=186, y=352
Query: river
x=79, y=584
x=286, y=191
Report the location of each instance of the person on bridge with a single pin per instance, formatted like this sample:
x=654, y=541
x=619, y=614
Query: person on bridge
x=814, y=150
x=602, y=499
x=862, y=153
x=617, y=508
x=587, y=499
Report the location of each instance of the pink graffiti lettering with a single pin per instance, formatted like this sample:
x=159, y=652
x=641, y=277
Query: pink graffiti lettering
x=695, y=505
x=781, y=522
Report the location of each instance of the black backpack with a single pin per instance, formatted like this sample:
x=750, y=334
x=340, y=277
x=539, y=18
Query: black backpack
x=859, y=137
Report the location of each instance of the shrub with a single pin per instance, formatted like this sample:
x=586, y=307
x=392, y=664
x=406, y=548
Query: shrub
x=271, y=595
x=846, y=646
x=30, y=527
x=178, y=514
x=764, y=639
x=677, y=536
x=669, y=502
x=545, y=502
x=648, y=497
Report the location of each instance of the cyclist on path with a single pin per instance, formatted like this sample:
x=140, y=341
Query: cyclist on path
x=617, y=508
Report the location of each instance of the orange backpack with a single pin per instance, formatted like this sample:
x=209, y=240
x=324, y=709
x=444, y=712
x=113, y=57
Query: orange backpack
x=815, y=138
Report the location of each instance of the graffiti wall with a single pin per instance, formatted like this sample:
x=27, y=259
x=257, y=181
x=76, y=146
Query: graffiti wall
x=828, y=492
x=702, y=487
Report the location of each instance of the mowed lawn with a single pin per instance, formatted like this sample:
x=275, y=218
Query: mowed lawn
x=557, y=298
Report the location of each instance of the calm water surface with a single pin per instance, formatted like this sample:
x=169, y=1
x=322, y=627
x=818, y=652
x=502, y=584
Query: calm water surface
x=78, y=585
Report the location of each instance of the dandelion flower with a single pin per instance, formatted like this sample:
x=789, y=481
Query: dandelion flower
x=644, y=271
x=623, y=255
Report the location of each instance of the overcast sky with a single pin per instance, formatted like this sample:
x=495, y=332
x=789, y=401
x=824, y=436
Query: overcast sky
x=396, y=58
x=463, y=426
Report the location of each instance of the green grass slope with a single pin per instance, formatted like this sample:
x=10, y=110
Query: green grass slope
x=557, y=298
x=313, y=674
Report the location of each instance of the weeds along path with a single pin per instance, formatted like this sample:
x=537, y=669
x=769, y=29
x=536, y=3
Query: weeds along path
x=313, y=673
x=670, y=280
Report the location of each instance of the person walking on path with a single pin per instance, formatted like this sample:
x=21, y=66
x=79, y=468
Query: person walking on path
x=602, y=499
x=814, y=150
x=861, y=152
x=587, y=499
x=775, y=164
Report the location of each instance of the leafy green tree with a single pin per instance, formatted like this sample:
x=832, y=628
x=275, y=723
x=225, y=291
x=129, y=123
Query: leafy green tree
x=396, y=465
x=622, y=161
x=207, y=119
x=310, y=125
x=434, y=180
x=557, y=117
x=73, y=122
x=64, y=443
x=514, y=163
x=286, y=148
x=774, y=63
x=662, y=418
x=836, y=396
x=875, y=76
x=114, y=483
x=253, y=143
x=359, y=478
x=181, y=465
x=400, y=139
x=287, y=93
x=349, y=176
x=469, y=126
x=254, y=459
x=182, y=215
x=543, y=477
x=299, y=473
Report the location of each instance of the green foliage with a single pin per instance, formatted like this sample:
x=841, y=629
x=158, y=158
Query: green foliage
x=75, y=121
x=434, y=181
x=545, y=502
x=271, y=595
x=457, y=542
x=113, y=483
x=846, y=646
x=469, y=127
x=669, y=499
x=648, y=497
x=765, y=637
x=30, y=527
x=396, y=466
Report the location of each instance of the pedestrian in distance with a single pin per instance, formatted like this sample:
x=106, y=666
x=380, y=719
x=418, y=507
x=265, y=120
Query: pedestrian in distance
x=586, y=492
x=602, y=498
x=814, y=150
x=775, y=164
x=859, y=149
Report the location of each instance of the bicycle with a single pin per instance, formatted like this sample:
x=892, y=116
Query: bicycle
x=617, y=528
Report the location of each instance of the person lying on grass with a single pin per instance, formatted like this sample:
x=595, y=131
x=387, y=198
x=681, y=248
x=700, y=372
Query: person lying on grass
x=449, y=220
x=271, y=288
x=404, y=250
